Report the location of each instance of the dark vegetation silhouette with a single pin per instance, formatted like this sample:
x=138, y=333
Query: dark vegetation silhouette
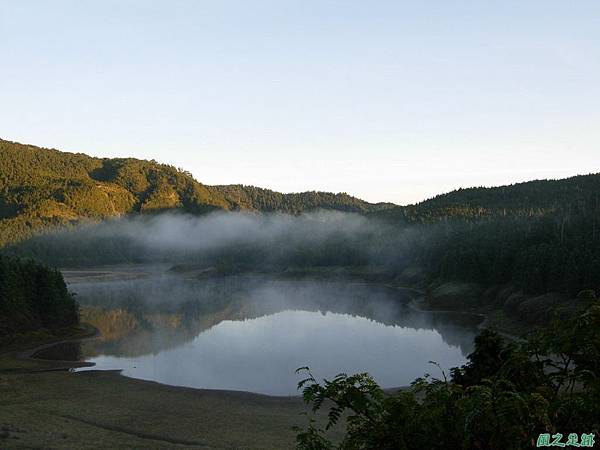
x=32, y=297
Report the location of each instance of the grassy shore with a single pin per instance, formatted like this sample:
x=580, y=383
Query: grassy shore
x=106, y=410
x=44, y=405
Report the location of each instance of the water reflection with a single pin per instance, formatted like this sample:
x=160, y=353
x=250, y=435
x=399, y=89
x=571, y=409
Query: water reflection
x=251, y=333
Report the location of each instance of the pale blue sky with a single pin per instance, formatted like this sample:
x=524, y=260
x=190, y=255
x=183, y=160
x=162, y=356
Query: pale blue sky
x=386, y=100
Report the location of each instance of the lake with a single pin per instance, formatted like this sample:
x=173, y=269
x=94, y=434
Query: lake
x=250, y=333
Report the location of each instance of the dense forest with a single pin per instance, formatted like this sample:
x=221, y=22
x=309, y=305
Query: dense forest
x=265, y=200
x=527, y=240
x=33, y=296
x=43, y=188
x=535, y=254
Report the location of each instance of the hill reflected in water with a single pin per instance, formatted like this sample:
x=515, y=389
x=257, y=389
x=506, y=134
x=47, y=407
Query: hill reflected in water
x=251, y=332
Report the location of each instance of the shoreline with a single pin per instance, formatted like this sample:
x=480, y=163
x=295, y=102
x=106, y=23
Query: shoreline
x=414, y=304
x=115, y=273
x=414, y=297
x=29, y=354
x=483, y=325
x=103, y=409
x=45, y=401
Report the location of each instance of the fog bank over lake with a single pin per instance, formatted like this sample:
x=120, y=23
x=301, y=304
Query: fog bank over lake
x=228, y=241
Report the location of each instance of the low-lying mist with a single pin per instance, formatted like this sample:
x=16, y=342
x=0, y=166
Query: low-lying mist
x=226, y=240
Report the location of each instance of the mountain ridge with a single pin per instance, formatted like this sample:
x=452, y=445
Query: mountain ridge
x=528, y=198
x=42, y=188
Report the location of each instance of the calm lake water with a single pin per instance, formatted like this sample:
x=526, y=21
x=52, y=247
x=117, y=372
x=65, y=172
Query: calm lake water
x=251, y=333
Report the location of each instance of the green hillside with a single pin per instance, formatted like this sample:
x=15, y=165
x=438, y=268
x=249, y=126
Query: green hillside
x=533, y=198
x=42, y=188
x=265, y=200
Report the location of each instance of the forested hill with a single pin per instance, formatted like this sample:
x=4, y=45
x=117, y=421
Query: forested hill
x=42, y=188
x=265, y=200
x=570, y=196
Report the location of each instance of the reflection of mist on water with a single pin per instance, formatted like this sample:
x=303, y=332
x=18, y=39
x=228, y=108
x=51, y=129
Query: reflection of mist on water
x=252, y=332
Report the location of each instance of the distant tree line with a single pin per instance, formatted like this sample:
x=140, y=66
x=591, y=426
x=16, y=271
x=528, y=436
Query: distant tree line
x=535, y=254
x=253, y=198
